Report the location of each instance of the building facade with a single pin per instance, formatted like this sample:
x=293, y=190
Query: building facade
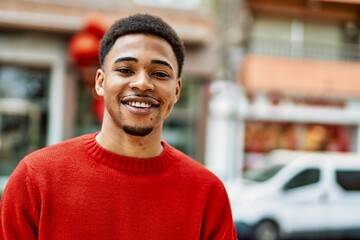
x=295, y=85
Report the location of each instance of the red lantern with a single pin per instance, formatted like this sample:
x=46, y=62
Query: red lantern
x=84, y=54
x=96, y=24
x=84, y=45
x=84, y=49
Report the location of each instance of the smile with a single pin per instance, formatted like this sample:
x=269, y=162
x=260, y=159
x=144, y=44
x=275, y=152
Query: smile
x=139, y=104
x=140, y=101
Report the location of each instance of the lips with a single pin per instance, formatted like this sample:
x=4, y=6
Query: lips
x=143, y=102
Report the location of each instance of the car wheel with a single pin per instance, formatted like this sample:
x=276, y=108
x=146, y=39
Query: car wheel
x=266, y=230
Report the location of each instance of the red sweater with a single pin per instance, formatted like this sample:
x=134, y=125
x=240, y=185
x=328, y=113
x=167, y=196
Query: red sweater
x=78, y=190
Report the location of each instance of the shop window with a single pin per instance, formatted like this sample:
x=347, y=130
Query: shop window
x=264, y=137
x=23, y=113
x=321, y=137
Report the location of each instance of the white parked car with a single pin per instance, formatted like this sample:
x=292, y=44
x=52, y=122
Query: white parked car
x=311, y=197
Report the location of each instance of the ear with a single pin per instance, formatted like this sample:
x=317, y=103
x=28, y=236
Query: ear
x=99, y=82
x=178, y=89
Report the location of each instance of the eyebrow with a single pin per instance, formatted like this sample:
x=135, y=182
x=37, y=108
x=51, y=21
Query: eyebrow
x=126, y=59
x=132, y=59
x=161, y=62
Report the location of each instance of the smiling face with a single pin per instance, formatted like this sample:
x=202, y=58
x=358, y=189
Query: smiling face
x=139, y=84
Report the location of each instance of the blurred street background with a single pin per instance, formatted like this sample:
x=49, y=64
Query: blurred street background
x=262, y=78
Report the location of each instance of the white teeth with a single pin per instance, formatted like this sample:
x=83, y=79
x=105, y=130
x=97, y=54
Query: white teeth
x=140, y=104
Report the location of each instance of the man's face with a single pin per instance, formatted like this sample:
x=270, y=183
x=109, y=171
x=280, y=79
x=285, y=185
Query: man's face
x=139, y=83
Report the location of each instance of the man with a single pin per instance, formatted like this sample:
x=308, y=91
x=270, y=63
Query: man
x=123, y=182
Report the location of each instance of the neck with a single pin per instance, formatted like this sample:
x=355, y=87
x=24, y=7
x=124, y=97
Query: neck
x=124, y=144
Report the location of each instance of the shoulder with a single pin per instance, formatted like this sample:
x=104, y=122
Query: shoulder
x=192, y=169
x=62, y=150
x=53, y=163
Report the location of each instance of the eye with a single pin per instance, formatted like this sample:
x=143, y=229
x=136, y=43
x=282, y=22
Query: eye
x=125, y=71
x=161, y=75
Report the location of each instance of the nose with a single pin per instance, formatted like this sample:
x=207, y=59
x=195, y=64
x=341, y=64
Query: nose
x=142, y=82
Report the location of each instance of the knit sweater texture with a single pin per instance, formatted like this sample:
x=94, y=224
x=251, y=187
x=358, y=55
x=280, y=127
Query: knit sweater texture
x=78, y=190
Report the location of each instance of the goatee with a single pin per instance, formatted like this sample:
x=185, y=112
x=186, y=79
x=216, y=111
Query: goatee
x=137, y=131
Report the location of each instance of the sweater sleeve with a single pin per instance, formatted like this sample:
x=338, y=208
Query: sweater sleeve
x=219, y=221
x=19, y=207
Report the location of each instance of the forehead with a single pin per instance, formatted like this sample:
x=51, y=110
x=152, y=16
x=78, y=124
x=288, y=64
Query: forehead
x=137, y=45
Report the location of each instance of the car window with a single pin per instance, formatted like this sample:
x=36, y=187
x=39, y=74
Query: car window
x=263, y=174
x=349, y=180
x=303, y=178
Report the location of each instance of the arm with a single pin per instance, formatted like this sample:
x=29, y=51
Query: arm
x=19, y=207
x=219, y=221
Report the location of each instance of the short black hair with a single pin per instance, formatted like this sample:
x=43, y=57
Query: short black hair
x=146, y=24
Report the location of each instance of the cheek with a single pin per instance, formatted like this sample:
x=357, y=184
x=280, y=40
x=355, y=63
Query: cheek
x=171, y=98
x=171, y=102
x=111, y=102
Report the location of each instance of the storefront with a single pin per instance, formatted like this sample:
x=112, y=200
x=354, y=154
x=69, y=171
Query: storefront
x=298, y=133
x=293, y=104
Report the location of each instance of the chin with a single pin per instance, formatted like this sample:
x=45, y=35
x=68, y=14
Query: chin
x=137, y=131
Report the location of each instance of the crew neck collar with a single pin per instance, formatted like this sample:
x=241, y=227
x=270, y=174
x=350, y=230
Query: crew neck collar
x=124, y=163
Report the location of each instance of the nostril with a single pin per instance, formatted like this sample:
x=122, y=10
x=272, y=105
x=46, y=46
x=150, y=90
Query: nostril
x=142, y=85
